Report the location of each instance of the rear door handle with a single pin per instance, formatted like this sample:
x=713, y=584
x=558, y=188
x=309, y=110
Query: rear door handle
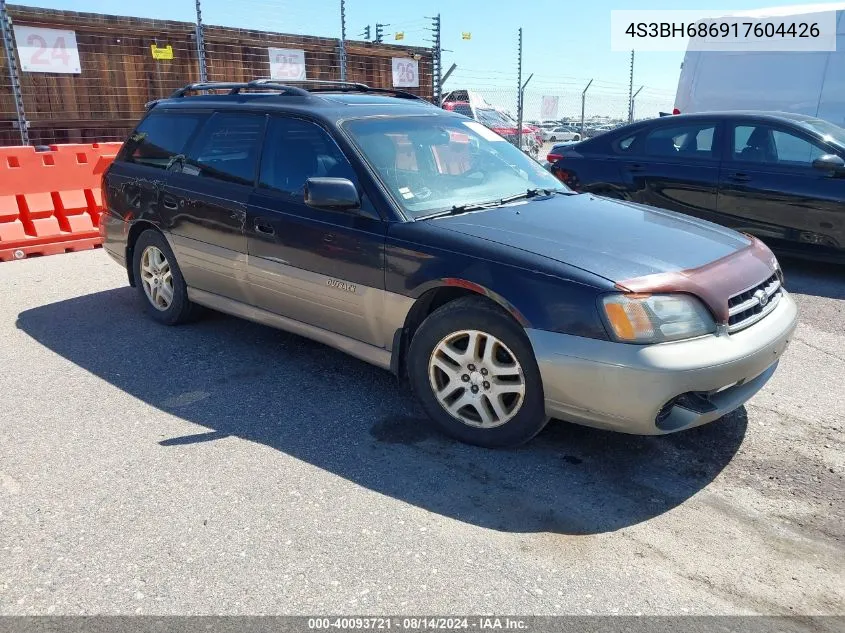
x=266, y=229
x=739, y=177
x=635, y=167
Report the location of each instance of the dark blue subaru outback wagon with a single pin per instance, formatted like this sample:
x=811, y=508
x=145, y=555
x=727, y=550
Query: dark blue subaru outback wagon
x=422, y=242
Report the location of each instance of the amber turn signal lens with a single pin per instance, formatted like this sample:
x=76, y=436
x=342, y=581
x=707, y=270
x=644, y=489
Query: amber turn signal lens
x=629, y=321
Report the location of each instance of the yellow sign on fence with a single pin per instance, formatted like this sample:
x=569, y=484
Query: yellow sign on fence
x=400, y=35
x=162, y=52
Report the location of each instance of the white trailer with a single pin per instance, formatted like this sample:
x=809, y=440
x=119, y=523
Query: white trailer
x=811, y=83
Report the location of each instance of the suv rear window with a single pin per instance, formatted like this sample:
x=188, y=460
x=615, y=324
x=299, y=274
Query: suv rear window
x=159, y=138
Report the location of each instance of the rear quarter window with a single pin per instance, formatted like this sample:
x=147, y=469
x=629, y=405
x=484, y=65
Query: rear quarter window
x=159, y=138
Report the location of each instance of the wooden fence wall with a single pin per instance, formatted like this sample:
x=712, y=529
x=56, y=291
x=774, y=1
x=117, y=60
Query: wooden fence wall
x=119, y=74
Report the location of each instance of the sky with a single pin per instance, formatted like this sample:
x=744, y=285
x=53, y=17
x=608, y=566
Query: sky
x=564, y=44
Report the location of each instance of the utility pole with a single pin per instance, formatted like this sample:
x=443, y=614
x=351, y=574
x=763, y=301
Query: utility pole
x=9, y=45
x=343, y=40
x=380, y=32
x=583, y=104
x=519, y=92
x=201, y=45
x=631, y=91
x=436, y=63
x=633, y=100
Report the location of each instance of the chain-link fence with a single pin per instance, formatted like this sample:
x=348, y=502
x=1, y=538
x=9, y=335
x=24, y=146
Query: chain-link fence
x=582, y=105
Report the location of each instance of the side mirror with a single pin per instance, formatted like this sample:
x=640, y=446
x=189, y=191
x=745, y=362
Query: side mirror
x=830, y=163
x=333, y=194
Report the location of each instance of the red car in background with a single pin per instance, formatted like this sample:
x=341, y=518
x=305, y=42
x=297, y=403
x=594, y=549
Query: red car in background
x=500, y=123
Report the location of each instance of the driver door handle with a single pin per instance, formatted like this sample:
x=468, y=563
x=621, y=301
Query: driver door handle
x=739, y=177
x=264, y=228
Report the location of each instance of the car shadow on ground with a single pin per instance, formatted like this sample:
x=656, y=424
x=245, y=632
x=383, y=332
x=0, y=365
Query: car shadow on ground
x=820, y=279
x=236, y=378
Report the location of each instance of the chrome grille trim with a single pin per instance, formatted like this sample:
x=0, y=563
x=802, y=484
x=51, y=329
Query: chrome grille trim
x=751, y=305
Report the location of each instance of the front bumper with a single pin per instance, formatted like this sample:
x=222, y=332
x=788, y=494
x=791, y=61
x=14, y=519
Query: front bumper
x=626, y=387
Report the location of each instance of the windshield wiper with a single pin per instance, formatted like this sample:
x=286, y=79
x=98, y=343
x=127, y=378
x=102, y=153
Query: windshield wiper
x=475, y=206
x=460, y=208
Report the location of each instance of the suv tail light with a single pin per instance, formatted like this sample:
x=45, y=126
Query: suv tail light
x=554, y=157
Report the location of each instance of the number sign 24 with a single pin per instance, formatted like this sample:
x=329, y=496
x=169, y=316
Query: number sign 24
x=47, y=50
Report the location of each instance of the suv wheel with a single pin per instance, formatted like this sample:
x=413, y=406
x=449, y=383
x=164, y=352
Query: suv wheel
x=159, y=280
x=473, y=370
x=553, y=139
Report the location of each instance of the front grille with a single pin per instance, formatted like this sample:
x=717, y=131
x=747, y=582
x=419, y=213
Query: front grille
x=749, y=306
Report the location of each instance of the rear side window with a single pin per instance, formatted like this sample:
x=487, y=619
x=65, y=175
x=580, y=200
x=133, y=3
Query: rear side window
x=227, y=148
x=159, y=138
x=693, y=140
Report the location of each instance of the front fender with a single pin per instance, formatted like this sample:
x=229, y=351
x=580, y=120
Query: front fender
x=537, y=292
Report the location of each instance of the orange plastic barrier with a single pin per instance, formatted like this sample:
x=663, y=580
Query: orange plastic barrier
x=50, y=202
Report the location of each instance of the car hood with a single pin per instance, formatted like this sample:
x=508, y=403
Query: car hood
x=616, y=240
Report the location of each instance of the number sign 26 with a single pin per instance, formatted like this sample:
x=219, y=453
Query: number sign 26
x=47, y=50
x=406, y=73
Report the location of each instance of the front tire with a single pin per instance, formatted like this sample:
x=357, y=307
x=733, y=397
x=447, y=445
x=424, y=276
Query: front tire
x=473, y=370
x=553, y=139
x=159, y=280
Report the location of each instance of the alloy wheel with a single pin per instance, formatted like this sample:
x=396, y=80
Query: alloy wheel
x=157, y=278
x=476, y=378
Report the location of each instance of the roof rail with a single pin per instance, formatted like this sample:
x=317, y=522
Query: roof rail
x=329, y=82
x=345, y=86
x=266, y=83
x=235, y=87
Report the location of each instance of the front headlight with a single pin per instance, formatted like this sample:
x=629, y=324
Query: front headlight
x=639, y=318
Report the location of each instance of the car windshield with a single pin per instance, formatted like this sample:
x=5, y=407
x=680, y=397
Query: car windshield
x=493, y=118
x=436, y=163
x=830, y=132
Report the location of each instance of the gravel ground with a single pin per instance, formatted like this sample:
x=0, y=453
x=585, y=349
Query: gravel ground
x=228, y=468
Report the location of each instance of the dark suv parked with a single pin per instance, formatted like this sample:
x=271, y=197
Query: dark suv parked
x=423, y=242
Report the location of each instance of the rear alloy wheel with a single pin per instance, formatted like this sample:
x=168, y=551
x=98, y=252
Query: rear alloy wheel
x=156, y=278
x=473, y=369
x=159, y=280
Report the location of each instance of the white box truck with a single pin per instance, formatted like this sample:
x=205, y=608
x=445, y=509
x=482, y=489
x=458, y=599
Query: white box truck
x=811, y=83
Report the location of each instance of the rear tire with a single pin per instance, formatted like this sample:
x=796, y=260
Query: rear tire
x=159, y=280
x=472, y=358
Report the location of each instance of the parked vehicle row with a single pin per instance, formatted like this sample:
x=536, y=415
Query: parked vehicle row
x=778, y=176
x=422, y=242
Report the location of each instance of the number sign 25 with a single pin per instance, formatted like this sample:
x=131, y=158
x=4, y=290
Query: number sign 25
x=47, y=50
